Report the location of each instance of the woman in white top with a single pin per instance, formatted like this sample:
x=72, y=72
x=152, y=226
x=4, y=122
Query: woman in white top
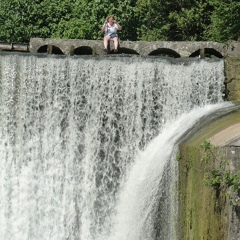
x=110, y=28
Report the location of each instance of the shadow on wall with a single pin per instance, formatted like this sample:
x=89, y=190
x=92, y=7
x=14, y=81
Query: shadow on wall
x=207, y=52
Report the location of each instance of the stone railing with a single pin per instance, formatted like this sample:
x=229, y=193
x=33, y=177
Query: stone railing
x=172, y=49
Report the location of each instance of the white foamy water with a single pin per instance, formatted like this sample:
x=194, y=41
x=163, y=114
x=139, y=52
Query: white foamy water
x=141, y=193
x=71, y=131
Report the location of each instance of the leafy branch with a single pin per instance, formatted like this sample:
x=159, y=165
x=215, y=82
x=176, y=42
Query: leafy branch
x=220, y=178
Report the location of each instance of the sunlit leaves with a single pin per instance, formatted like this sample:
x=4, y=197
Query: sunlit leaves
x=224, y=21
x=151, y=20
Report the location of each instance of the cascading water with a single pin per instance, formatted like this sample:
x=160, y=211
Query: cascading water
x=70, y=132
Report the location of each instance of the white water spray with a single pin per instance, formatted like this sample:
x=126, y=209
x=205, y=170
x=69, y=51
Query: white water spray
x=141, y=193
x=70, y=130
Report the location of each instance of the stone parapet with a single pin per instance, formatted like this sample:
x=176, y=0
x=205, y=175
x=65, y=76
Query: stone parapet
x=232, y=79
x=143, y=48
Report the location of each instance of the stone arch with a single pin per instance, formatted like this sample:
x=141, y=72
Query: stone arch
x=166, y=52
x=127, y=51
x=50, y=49
x=83, y=50
x=208, y=52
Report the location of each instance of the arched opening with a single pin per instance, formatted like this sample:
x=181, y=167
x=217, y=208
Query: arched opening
x=50, y=49
x=208, y=52
x=42, y=49
x=212, y=53
x=56, y=50
x=83, y=50
x=127, y=51
x=165, y=52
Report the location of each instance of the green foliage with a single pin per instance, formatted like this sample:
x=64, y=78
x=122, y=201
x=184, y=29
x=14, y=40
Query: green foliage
x=208, y=152
x=178, y=157
x=220, y=178
x=87, y=17
x=172, y=20
x=191, y=21
x=151, y=20
x=224, y=24
x=207, y=146
x=26, y=19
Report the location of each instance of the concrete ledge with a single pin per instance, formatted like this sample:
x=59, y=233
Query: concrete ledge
x=19, y=47
x=229, y=136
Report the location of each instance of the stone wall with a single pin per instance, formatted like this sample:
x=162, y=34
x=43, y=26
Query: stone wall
x=205, y=212
x=143, y=48
x=232, y=73
x=201, y=212
x=232, y=218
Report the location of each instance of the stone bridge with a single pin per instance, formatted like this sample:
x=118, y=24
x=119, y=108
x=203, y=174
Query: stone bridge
x=142, y=48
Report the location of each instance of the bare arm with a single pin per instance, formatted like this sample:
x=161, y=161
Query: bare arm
x=103, y=27
x=119, y=26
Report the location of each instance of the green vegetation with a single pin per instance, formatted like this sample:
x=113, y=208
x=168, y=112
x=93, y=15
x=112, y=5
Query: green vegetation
x=175, y=20
x=201, y=209
x=219, y=176
x=204, y=210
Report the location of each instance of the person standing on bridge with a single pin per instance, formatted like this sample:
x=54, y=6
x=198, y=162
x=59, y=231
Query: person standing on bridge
x=110, y=28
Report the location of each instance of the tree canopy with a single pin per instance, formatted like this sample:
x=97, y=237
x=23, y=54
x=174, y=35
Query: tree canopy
x=150, y=20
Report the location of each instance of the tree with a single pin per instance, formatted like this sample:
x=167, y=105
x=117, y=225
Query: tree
x=86, y=19
x=26, y=19
x=150, y=20
x=172, y=20
x=224, y=24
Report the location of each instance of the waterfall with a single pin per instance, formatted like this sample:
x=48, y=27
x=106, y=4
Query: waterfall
x=151, y=184
x=79, y=135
